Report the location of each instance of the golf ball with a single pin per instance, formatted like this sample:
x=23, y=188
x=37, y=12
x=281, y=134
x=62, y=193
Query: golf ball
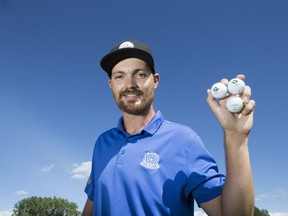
x=219, y=90
x=236, y=86
x=234, y=104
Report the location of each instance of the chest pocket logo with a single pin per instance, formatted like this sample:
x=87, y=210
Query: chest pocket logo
x=151, y=160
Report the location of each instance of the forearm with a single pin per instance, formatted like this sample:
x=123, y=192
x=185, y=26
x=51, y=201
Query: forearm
x=238, y=192
x=88, y=208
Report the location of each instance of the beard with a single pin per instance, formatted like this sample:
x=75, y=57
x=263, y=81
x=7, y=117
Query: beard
x=140, y=106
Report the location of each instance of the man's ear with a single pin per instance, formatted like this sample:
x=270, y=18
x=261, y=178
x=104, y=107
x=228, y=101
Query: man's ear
x=109, y=83
x=156, y=80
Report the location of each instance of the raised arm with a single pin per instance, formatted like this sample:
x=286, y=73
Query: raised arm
x=238, y=193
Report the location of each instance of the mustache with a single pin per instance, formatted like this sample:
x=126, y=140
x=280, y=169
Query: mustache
x=131, y=91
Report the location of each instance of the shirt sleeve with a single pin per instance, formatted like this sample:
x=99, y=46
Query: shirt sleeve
x=89, y=189
x=204, y=182
x=90, y=186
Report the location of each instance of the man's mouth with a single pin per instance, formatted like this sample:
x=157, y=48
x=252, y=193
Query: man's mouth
x=131, y=95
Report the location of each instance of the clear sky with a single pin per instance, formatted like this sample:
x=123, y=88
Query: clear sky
x=55, y=100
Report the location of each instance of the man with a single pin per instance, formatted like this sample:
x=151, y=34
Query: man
x=150, y=166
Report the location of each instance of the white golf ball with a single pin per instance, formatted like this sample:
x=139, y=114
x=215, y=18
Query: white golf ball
x=236, y=86
x=219, y=90
x=234, y=104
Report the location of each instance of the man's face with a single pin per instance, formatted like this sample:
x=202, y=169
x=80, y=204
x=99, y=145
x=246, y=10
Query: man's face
x=133, y=83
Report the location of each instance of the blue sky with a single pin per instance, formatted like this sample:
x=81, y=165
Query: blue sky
x=55, y=100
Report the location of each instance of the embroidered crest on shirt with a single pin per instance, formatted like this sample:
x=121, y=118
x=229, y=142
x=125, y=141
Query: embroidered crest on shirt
x=89, y=180
x=151, y=160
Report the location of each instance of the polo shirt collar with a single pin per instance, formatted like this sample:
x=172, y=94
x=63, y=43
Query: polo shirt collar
x=150, y=128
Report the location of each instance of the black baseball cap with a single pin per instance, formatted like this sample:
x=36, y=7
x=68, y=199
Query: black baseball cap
x=127, y=49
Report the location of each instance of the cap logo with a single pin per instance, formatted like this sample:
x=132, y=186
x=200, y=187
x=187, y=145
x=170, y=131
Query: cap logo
x=126, y=44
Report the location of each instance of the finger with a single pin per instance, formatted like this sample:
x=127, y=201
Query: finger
x=249, y=107
x=224, y=81
x=246, y=94
x=211, y=101
x=241, y=76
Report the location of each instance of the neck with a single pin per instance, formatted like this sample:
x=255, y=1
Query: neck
x=135, y=123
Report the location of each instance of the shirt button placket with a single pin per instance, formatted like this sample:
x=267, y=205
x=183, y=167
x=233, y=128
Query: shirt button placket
x=122, y=152
x=120, y=157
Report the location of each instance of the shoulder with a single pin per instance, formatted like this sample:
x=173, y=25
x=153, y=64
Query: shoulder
x=109, y=132
x=179, y=129
x=108, y=135
x=108, y=143
x=182, y=136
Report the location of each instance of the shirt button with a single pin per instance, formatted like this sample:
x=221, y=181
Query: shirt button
x=122, y=152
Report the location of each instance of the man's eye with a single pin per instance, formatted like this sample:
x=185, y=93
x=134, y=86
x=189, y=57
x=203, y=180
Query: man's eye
x=142, y=75
x=118, y=77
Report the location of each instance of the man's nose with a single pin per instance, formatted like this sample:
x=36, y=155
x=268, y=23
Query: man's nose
x=131, y=82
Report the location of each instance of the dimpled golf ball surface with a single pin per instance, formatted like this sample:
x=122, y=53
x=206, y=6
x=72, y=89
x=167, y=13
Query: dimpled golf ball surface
x=234, y=104
x=219, y=90
x=236, y=86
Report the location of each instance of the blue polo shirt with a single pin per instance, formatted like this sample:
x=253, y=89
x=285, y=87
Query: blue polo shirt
x=159, y=170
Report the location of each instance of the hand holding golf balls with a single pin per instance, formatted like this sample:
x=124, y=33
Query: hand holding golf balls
x=235, y=87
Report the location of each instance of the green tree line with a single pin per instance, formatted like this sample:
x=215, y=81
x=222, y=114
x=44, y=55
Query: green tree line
x=47, y=206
